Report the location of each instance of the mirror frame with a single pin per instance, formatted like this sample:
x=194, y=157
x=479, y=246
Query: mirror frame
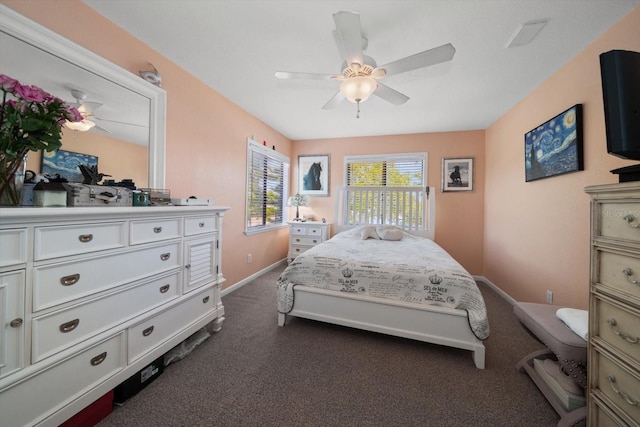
x=37, y=35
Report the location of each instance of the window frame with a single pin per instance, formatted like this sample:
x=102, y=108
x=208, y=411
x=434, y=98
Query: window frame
x=255, y=147
x=424, y=156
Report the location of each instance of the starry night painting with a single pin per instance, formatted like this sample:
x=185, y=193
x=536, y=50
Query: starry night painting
x=555, y=147
x=66, y=164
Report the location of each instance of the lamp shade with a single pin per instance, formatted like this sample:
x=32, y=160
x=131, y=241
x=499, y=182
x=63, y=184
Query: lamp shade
x=358, y=88
x=82, y=126
x=297, y=200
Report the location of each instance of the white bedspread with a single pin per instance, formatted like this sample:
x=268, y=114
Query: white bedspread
x=413, y=269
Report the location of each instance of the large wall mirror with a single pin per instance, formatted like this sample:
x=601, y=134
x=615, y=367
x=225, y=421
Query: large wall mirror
x=129, y=112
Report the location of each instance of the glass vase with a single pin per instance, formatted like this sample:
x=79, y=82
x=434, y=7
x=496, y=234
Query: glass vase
x=12, y=172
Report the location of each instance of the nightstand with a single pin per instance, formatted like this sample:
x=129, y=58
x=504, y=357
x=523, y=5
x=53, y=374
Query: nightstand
x=305, y=235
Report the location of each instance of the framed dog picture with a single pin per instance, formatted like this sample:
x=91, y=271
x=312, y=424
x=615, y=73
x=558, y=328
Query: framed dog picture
x=313, y=175
x=457, y=174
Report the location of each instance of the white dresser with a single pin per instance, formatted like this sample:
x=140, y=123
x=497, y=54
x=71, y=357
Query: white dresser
x=614, y=306
x=305, y=235
x=89, y=296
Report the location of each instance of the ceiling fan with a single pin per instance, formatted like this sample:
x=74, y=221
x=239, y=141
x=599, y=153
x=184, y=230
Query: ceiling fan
x=86, y=109
x=360, y=74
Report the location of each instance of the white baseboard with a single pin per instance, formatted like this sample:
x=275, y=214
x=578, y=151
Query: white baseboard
x=493, y=286
x=254, y=276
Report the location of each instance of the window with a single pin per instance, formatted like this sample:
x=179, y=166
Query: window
x=267, y=188
x=402, y=170
x=370, y=198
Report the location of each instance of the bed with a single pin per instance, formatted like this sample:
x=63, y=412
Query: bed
x=404, y=285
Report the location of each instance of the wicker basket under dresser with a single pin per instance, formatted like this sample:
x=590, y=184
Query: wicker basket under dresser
x=614, y=306
x=89, y=296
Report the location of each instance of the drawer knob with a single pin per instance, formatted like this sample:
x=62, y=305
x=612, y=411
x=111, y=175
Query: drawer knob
x=164, y=289
x=201, y=224
x=85, y=238
x=297, y=240
x=315, y=241
x=157, y=230
x=70, y=280
x=15, y=323
x=69, y=326
x=205, y=300
x=165, y=257
x=613, y=323
x=147, y=331
x=95, y=361
x=628, y=273
x=630, y=219
x=630, y=400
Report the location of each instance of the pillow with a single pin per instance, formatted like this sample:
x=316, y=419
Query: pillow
x=369, y=232
x=388, y=232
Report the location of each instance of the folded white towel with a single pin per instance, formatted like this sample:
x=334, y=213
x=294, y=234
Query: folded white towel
x=576, y=320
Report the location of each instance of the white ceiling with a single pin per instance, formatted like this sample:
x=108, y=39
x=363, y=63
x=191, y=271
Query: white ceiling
x=236, y=47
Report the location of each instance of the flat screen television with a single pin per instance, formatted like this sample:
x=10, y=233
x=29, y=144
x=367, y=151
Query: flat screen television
x=620, y=71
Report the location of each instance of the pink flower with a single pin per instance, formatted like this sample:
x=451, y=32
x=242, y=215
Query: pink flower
x=73, y=115
x=31, y=93
x=7, y=83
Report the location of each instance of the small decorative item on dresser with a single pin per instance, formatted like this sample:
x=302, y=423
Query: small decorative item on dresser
x=30, y=120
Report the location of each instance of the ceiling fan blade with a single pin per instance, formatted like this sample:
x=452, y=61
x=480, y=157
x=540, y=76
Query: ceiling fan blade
x=89, y=107
x=335, y=100
x=429, y=57
x=390, y=95
x=349, y=36
x=308, y=76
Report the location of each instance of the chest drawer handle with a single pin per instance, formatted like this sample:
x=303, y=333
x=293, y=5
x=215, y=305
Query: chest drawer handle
x=629, y=272
x=201, y=224
x=315, y=241
x=205, y=300
x=157, y=230
x=85, y=238
x=613, y=323
x=612, y=382
x=630, y=218
x=16, y=323
x=165, y=257
x=95, y=361
x=164, y=289
x=70, y=280
x=297, y=240
x=147, y=331
x=69, y=326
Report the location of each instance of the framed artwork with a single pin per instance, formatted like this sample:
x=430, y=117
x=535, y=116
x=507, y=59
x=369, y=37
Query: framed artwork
x=313, y=175
x=457, y=174
x=65, y=164
x=554, y=147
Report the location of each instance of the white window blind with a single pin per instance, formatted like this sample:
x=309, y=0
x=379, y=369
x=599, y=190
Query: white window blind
x=267, y=187
x=403, y=170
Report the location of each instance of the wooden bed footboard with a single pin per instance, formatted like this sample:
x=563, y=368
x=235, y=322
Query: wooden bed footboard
x=432, y=324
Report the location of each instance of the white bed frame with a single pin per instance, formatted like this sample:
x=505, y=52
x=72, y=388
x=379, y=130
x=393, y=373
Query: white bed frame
x=432, y=324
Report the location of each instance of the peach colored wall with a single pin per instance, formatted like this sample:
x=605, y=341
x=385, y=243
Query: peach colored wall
x=537, y=233
x=117, y=158
x=206, y=133
x=459, y=216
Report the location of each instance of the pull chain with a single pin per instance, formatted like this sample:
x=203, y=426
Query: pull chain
x=358, y=112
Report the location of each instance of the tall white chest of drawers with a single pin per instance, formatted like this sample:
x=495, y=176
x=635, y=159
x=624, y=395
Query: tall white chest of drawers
x=89, y=296
x=614, y=306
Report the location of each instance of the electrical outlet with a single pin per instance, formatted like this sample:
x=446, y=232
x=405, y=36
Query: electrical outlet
x=249, y=258
x=549, y=297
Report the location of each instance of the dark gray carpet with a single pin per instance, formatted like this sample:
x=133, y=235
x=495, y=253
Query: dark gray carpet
x=254, y=373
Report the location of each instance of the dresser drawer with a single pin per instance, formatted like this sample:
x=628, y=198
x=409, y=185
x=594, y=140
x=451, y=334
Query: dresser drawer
x=620, y=220
x=58, y=283
x=618, y=385
x=56, y=331
x=601, y=416
x=37, y=397
x=619, y=271
x=54, y=242
x=14, y=247
x=155, y=230
x=308, y=241
x=200, y=225
x=618, y=326
x=154, y=331
x=12, y=329
x=297, y=250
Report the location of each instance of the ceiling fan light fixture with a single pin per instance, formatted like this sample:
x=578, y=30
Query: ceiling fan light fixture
x=358, y=88
x=82, y=126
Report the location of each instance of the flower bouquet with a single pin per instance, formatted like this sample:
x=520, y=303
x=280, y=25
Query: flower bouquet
x=30, y=120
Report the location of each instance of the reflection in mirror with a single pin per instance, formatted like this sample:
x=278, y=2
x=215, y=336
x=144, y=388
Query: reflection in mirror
x=129, y=113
